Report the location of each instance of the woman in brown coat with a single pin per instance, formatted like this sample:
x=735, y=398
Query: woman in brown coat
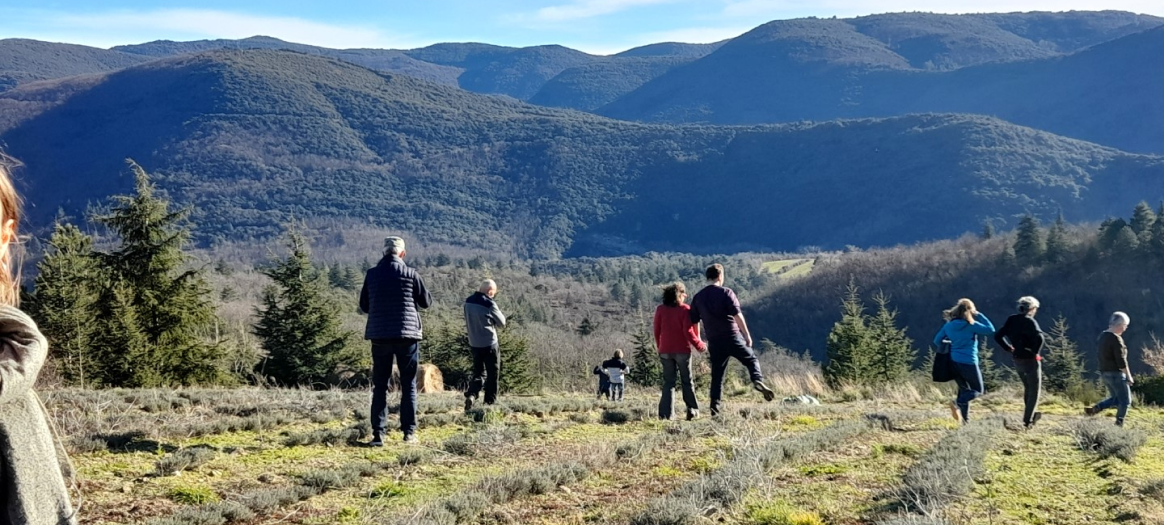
x=32, y=486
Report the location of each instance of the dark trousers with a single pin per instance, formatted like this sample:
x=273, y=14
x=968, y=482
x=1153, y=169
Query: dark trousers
x=1030, y=371
x=603, y=387
x=720, y=351
x=407, y=355
x=672, y=364
x=486, y=366
x=969, y=379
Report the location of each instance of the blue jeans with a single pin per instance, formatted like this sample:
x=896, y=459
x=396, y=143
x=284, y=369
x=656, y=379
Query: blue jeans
x=407, y=355
x=616, y=391
x=969, y=380
x=1119, y=394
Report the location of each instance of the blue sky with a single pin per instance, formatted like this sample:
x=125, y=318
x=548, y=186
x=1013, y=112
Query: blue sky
x=596, y=26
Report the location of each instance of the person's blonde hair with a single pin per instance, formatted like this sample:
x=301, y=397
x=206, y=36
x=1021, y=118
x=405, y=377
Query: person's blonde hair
x=963, y=310
x=618, y=354
x=9, y=211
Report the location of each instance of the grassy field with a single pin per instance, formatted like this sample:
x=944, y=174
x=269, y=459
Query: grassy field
x=291, y=457
x=789, y=268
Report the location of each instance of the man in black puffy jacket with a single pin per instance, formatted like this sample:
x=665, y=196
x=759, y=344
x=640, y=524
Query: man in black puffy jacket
x=392, y=296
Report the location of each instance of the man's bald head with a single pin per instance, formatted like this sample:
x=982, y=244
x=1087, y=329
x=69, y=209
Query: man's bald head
x=488, y=287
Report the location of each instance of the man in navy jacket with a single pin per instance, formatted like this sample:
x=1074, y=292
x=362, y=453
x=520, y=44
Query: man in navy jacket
x=392, y=296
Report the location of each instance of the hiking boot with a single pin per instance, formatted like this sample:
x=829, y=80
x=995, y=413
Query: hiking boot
x=410, y=438
x=377, y=440
x=763, y=389
x=1090, y=411
x=692, y=414
x=954, y=411
x=1034, y=419
x=468, y=402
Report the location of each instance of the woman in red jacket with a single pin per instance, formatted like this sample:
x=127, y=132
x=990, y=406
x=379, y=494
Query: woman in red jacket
x=675, y=336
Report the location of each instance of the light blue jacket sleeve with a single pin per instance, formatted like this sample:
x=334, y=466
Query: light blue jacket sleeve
x=982, y=326
x=938, y=338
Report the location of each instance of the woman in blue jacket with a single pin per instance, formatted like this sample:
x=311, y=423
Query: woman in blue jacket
x=964, y=323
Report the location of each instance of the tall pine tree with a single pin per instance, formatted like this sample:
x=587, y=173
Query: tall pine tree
x=891, y=350
x=64, y=304
x=517, y=373
x=646, y=370
x=297, y=325
x=1155, y=247
x=1063, y=367
x=1142, y=218
x=848, y=342
x=1028, y=242
x=1057, y=241
x=170, y=300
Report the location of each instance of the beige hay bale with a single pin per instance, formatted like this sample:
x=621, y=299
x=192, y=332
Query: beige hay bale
x=429, y=379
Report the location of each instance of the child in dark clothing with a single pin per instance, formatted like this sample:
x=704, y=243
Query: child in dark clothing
x=603, y=382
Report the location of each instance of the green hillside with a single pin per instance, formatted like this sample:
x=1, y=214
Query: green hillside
x=388, y=60
x=23, y=61
x=826, y=69
x=517, y=72
x=255, y=138
x=591, y=86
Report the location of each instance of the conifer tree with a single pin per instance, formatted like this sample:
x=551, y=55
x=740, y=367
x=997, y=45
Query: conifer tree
x=517, y=366
x=1142, y=219
x=170, y=301
x=1125, y=242
x=1109, y=230
x=1155, y=246
x=891, y=351
x=1057, y=240
x=1028, y=242
x=64, y=304
x=297, y=325
x=120, y=345
x=1063, y=367
x=848, y=341
x=586, y=327
x=646, y=370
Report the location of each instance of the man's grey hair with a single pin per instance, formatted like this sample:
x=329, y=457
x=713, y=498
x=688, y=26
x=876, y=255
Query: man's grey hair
x=1027, y=303
x=487, y=285
x=1119, y=318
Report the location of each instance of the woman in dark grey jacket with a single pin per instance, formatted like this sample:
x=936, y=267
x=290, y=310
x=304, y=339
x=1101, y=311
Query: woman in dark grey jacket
x=1023, y=339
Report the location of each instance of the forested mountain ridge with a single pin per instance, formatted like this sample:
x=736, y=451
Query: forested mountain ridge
x=254, y=138
x=23, y=61
x=827, y=69
x=915, y=41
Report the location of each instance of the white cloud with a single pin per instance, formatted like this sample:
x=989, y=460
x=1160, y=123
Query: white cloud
x=579, y=9
x=115, y=27
x=774, y=9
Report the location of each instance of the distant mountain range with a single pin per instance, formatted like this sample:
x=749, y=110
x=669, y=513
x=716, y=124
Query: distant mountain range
x=788, y=71
x=254, y=138
x=783, y=71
